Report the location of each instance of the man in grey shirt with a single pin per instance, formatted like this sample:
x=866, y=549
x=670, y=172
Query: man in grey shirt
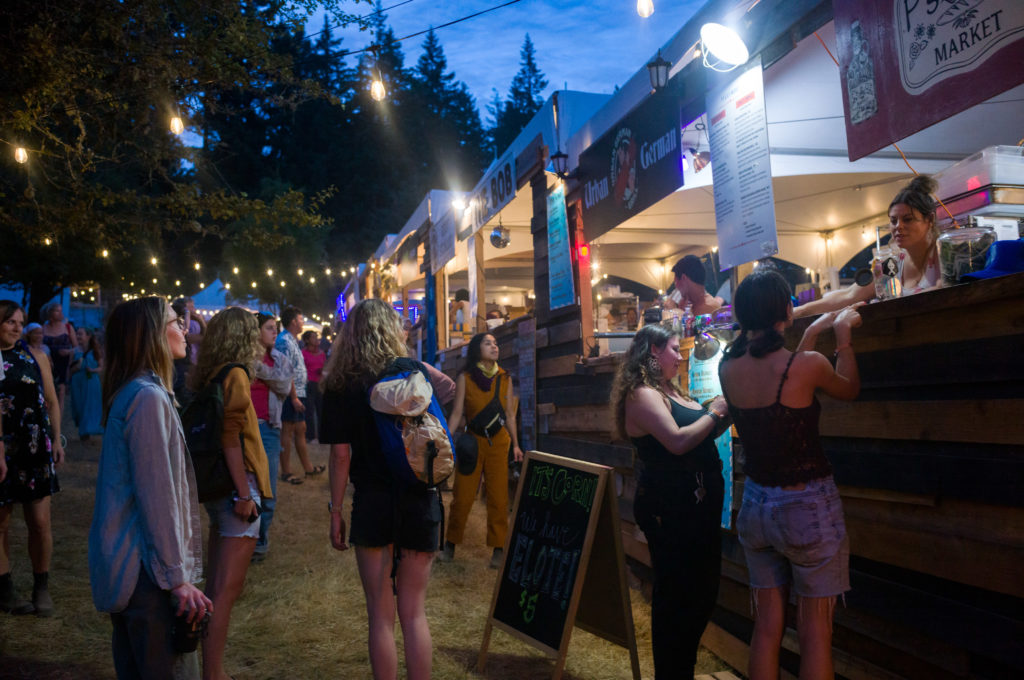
x=293, y=418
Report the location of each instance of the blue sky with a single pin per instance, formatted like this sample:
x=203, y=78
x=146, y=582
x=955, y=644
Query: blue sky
x=591, y=46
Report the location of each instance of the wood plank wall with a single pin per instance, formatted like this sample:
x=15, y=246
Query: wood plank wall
x=930, y=463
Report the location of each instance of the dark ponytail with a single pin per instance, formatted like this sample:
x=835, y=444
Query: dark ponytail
x=761, y=301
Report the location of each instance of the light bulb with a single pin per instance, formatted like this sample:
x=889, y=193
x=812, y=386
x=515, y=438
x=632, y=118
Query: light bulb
x=282, y=284
x=105, y=253
x=152, y=261
x=312, y=279
x=270, y=272
x=377, y=91
x=177, y=282
x=177, y=127
x=645, y=8
x=197, y=266
x=253, y=284
x=327, y=271
x=21, y=155
x=234, y=270
x=300, y=271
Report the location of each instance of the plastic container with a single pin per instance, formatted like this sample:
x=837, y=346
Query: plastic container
x=992, y=165
x=963, y=251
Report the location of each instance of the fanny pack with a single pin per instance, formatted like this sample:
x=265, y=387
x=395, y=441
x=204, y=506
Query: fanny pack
x=491, y=417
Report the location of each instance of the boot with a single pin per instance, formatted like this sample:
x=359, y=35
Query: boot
x=41, y=595
x=496, y=558
x=447, y=553
x=9, y=600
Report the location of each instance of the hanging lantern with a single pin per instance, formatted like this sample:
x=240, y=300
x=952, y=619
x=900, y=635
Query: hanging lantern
x=21, y=155
x=658, y=69
x=645, y=8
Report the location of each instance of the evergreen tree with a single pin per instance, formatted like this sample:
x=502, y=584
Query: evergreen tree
x=523, y=101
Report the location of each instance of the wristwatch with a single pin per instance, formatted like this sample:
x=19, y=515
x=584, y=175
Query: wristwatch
x=331, y=509
x=718, y=419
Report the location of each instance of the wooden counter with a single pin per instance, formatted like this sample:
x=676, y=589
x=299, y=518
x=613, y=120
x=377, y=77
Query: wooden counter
x=930, y=463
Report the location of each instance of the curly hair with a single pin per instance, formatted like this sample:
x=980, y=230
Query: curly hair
x=371, y=338
x=231, y=336
x=633, y=372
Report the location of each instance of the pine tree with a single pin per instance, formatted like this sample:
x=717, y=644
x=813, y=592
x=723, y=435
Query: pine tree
x=523, y=101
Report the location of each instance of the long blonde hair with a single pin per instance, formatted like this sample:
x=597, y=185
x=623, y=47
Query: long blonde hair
x=370, y=339
x=136, y=341
x=231, y=336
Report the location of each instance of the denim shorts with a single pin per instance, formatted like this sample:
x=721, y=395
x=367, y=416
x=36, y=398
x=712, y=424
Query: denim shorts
x=795, y=537
x=226, y=523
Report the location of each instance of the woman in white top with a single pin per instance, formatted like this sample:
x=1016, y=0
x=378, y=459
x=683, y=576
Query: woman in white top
x=912, y=223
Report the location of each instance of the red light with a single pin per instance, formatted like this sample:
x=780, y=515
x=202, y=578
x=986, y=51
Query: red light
x=584, y=250
x=973, y=183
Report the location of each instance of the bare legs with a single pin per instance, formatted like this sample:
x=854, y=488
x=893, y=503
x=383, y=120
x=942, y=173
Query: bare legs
x=40, y=538
x=229, y=561
x=413, y=574
x=294, y=433
x=814, y=623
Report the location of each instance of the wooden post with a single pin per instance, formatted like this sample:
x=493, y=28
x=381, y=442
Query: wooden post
x=441, y=288
x=481, y=283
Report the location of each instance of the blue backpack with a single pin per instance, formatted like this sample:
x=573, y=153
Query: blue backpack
x=413, y=432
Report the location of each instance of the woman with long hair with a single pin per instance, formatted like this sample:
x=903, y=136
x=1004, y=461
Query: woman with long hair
x=30, y=451
x=913, y=228
x=475, y=388
x=791, y=522
x=385, y=517
x=232, y=336
x=86, y=393
x=60, y=337
x=145, y=542
x=678, y=502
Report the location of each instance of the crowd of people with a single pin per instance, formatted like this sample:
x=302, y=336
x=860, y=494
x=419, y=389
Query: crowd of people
x=145, y=552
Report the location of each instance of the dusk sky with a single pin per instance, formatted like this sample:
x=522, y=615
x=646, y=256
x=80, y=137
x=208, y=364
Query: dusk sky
x=590, y=46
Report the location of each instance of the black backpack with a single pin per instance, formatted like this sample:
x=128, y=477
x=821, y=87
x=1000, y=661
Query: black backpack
x=202, y=419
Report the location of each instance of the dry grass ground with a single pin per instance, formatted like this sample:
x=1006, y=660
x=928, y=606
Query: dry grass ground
x=301, y=615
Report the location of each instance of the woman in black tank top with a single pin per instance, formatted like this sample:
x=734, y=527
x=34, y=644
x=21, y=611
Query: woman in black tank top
x=791, y=522
x=678, y=502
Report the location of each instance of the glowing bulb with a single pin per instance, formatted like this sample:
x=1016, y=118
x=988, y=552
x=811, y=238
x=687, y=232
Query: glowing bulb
x=227, y=286
x=645, y=8
x=312, y=279
x=21, y=155
x=105, y=253
x=807, y=270
x=47, y=240
x=202, y=285
x=352, y=270
x=327, y=271
x=377, y=91
x=234, y=270
x=152, y=261
x=253, y=284
x=270, y=272
x=154, y=280
x=599, y=296
x=143, y=291
x=196, y=266
x=177, y=127
x=459, y=204
x=177, y=282
x=714, y=249
x=300, y=271
x=282, y=284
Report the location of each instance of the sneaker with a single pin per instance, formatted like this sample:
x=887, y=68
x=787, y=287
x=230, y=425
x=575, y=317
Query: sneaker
x=257, y=557
x=496, y=558
x=10, y=603
x=42, y=602
x=447, y=553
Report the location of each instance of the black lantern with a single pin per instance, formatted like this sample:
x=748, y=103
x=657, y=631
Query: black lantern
x=560, y=162
x=658, y=71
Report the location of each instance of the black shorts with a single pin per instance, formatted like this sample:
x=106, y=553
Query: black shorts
x=289, y=414
x=416, y=521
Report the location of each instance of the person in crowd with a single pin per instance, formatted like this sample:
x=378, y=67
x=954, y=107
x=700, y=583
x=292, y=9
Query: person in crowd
x=196, y=329
x=30, y=451
x=385, y=518
x=913, y=228
x=59, y=335
x=475, y=388
x=183, y=364
x=325, y=339
x=232, y=336
x=313, y=357
x=459, y=311
x=269, y=390
x=293, y=414
x=86, y=391
x=791, y=522
x=689, y=279
x=632, y=319
x=679, y=495
x=34, y=339
x=145, y=542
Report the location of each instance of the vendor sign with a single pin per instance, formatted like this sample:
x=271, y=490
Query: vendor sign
x=442, y=241
x=561, y=287
x=742, y=170
x=908, y=64
x=491, y=194
x=636, y=164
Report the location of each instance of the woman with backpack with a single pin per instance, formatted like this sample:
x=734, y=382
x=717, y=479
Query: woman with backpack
x=145, y=543
x=232, y=337
x=483, y=393
x=386, y=517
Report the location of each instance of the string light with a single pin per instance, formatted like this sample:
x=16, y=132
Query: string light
x=234, y=270
x=21, y=155
x=282, y=284
x=227, y=286
x=105, y=253
x=177, y=127
x=177, y=282
x=312, y=279
x=645, y=8
x=270, y=272
x=197, y=266
x=154, y=280
x=152, y=261
x=47, y=241
x=300, y=271
x=327, y=271
x=253, y=284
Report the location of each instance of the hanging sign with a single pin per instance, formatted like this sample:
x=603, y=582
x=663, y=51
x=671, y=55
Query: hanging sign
x=442, y=241
x=907, y=64
x=742, y=170
x=491, y=194
x=564, y=563
x=632, y=167
x=560, y=281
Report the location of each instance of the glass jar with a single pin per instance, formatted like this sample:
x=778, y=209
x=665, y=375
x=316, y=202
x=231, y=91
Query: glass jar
x=963, y=251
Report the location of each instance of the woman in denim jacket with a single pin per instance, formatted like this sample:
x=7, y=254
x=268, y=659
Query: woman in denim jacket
x=145, y=540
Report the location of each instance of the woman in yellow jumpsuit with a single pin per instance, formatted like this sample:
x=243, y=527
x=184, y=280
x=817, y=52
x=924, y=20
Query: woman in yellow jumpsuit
x=474, y=390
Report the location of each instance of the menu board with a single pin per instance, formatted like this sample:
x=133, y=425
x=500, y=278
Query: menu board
x=564, y=563
x=742, y=170
x=560, y=282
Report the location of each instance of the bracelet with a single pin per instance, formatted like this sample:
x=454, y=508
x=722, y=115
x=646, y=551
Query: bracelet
x=235, y=497
x=842, y=347
x=717, y=418
x=333, y=510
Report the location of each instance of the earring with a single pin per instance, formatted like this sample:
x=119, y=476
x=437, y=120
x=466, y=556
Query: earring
x=653, y=366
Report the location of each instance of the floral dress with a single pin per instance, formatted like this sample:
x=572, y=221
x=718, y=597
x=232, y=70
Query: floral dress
x=26, y=427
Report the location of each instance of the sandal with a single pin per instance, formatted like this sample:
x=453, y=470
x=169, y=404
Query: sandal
x=291, y=479
x=317, y=470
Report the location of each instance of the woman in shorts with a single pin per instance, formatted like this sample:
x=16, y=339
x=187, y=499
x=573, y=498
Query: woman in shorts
x=791, y=522
x=384, y=519
x=232, y=336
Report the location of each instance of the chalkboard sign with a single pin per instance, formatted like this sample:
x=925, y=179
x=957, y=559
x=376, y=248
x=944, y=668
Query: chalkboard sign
x=565, y=519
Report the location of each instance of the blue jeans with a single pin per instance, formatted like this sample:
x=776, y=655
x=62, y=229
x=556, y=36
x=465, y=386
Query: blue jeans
x=271, y=437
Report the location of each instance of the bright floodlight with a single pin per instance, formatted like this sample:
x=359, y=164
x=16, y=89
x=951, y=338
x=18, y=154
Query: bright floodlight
x=645, y=8
x=458, y=204
x=722, y=47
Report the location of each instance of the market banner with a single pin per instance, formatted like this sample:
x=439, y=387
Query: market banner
x=562, y=288
x=442, y=241
x=741, y=167
x=908, y=64
x=491, y=194
x=633, y=166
